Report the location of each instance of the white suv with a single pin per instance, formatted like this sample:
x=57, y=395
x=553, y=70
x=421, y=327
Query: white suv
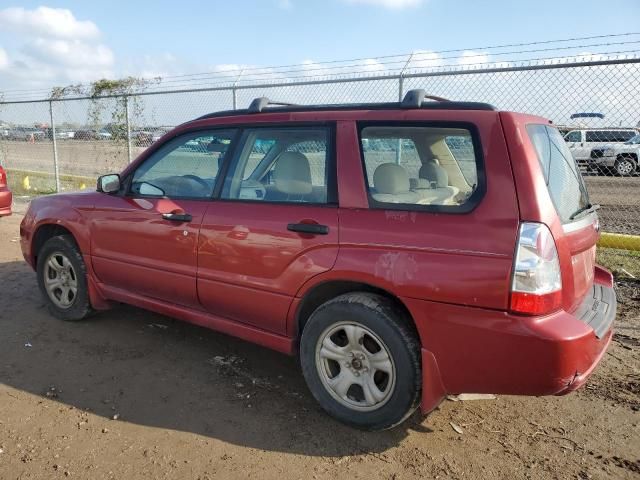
x=621, y=157
x=582, y=141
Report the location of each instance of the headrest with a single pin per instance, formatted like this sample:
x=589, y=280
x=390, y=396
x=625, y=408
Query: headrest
x=434, y=173
x=390, y=178
x=292, y=174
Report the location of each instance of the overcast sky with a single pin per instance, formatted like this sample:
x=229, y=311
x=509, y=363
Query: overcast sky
x=63, y=42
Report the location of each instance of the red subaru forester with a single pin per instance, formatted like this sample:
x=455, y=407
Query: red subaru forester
x=5, y=194
x=405, y=251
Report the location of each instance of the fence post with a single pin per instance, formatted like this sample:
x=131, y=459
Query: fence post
x=128, y=123
x=235, y=91
x=400, y=95
x=56, y=171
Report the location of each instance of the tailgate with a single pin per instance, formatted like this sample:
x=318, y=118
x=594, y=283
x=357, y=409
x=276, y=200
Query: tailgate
x=577, y=252
x=551, y=190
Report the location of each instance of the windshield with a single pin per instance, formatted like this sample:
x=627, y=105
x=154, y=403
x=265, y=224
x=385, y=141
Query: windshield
x=561, y=174
x=634, y=140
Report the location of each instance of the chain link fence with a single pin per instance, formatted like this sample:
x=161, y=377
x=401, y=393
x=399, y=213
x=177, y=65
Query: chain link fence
x=64, y=144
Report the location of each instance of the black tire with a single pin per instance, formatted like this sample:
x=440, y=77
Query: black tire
x=80, y=307
x=379, y=315
x=625, y=166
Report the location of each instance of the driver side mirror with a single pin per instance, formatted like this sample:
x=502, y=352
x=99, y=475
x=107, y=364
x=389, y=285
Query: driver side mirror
x=109, y=183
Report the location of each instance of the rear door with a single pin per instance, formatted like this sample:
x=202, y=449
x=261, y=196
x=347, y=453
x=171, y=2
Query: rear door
x=274, y=226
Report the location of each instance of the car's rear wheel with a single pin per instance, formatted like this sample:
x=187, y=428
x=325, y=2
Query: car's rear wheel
x=625, y=166
x=361, y=359
x=62, y=278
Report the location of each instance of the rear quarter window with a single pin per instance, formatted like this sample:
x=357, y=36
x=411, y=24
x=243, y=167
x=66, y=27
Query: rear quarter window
x=561, y=174
x=422, y=166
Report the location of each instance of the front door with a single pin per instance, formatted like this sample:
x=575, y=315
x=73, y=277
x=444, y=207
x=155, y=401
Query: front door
x=576, y=144
x=144, y=239
x=274, y=227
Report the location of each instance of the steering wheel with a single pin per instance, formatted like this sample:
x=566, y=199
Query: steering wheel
x=197, y=179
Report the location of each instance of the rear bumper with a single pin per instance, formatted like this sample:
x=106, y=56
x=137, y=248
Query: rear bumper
x=472, y=350
x=6, y=199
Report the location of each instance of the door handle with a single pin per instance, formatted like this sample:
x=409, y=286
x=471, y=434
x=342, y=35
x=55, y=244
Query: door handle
x=310, y=228
x=177, y=217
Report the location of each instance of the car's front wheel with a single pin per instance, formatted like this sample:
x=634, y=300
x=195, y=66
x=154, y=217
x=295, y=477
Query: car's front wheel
x=360, y=357
x=62, y=278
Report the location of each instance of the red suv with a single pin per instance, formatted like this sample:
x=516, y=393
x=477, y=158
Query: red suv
x=5, y=194
x=405, y=251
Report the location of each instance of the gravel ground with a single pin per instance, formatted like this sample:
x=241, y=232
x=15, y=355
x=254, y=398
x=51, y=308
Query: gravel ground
x=131, y=394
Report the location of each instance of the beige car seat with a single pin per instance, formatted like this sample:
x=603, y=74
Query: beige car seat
x=292, y=176
x=391, y=184
x=433, y=185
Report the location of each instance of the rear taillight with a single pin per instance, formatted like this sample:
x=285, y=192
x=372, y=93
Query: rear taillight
x=536, y=288
x=3, y=178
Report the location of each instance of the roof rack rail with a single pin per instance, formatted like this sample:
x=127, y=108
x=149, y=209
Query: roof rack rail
x=414, y=98
x=259, y=104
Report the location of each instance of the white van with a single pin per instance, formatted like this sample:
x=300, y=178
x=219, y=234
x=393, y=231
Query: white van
x=582, y=141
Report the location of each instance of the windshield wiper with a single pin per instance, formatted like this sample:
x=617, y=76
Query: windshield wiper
x=588, y=208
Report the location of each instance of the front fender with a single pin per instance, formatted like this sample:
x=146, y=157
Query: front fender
x=65, y=211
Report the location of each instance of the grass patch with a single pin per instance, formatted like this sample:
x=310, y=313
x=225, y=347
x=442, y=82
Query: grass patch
x=28, y=182
x=623, y=263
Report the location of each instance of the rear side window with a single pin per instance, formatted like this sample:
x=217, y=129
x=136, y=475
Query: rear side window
x=420, y=167
x=284, y=164
x=609, y=135
x=561, y=174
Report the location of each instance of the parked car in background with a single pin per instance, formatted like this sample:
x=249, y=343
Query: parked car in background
x=5, y=194
x=28, y=134
x=582, y=141
x=144, y=138
x=85, y=135
x=351, y=237
x=619, y=158
x=92, y=134
x=141, y=138
x=65, y=134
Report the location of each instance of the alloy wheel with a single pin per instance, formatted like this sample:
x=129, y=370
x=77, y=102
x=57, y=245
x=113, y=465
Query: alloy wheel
x=60, y=280
x=355, y=366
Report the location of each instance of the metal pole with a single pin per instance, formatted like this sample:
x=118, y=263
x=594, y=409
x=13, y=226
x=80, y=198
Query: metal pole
x=235, y=91
x=56, y=172
x=126, y=111
x=400, y=94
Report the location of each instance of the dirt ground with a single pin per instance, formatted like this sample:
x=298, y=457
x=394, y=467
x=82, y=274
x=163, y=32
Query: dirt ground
x=131, y=395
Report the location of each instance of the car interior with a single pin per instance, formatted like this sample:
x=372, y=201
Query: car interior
x=423, y=170
x=405, y=165
x=291, y=169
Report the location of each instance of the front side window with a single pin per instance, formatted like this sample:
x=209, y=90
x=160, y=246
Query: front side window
x=573, y=137
x=185, y=167
x=634, y=140
x=419, y=165
x=288, y=164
